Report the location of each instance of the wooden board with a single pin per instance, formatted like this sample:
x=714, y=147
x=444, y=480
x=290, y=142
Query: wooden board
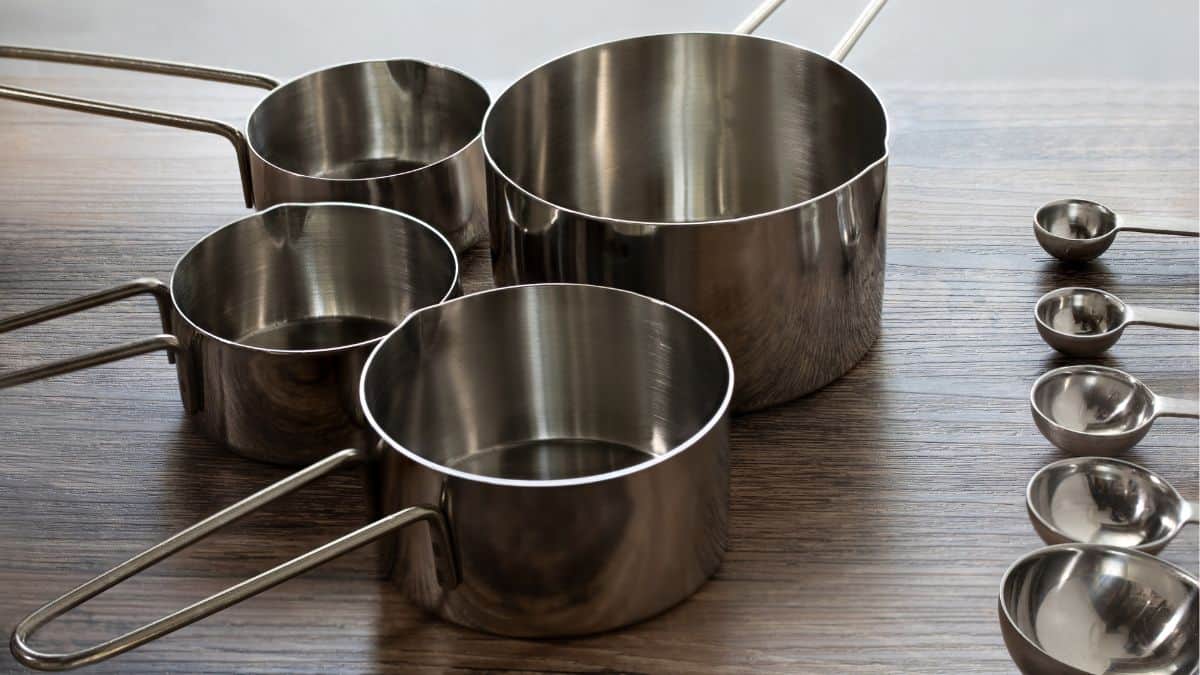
x=871, y=521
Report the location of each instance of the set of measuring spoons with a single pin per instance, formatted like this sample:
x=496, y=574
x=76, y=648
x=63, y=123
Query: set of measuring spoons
x=1097, y=600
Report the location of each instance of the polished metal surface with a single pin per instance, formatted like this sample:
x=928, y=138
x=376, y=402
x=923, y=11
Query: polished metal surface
x=568, y=445
x=272, y=317
x=1087, y=321
x=1098, y=500
x=739, y=178
x=1078, y=230
x=1090, y=609
x=1094, y=410
x=401, y=134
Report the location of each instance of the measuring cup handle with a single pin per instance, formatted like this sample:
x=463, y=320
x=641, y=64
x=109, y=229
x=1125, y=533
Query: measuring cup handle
x=1193, y=512
x=141, y=114
x=33, y=658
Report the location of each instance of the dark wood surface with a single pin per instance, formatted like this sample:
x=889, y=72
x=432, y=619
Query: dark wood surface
x=871, y=521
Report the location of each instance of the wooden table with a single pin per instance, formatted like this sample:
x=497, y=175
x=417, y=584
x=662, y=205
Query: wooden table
x=871, y=521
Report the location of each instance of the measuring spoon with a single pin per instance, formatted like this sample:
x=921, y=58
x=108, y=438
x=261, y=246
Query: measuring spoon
x=1079, y=230
x=1090, y=609
x=1094, y=410
x=1087, y=321
x=1097, y=500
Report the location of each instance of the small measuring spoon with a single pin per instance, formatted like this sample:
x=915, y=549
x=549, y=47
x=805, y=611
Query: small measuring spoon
x=1094, y=410
x=1091, y=609
x=1080, y=230
x=1087, y=321
x=1097, y=500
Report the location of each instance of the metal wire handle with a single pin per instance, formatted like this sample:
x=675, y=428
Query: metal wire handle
x=439, y=536
x=844, y=45
x=148, y=115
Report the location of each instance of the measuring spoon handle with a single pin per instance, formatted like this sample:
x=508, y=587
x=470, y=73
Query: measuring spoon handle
x=1179, y=230
x=1165, y=318
x=1167, y=406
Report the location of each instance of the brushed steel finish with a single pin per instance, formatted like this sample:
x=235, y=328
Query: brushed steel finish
x=568, y=445
x=1098, y=500
x=402, y=134
x=1087, y=321
x=739, y=178
x=273, y=316
x=1091, y=609
x=1094, y=410
x=1079, y=230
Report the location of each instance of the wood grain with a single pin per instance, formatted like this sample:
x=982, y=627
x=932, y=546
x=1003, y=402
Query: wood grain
x=871, y=521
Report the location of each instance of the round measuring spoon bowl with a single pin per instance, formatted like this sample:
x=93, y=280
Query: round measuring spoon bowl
x=1087, y=609
x=1097, y=500
x=1094, y=410
x=1075, y=229
x=1087, y=321
x=1080, y=321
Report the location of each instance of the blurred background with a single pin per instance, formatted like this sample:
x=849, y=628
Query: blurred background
x=913, y=40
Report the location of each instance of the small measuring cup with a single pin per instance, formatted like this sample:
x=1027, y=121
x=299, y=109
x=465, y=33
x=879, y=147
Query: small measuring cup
x=1079, y=230
x=1087, y=609
x=1086, y=321
x=1094, y=410
x=1097, y=500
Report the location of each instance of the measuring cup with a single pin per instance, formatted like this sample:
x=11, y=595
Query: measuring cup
x=1087, y=609
x=1094, y=410
x=271, y=317
x=400, y=133
x=1086, y=321
x=1097, y=500
x=1079, y=230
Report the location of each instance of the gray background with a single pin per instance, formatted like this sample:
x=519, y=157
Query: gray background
x=912, y=40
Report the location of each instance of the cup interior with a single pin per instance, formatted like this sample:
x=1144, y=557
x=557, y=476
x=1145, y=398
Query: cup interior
x=368, y=119
x=1081, y=312
x=1102, y=501
x=1094, y=400
x=1076, y=219
x=547, y=382
x=312, y=276
x=685, y=128
x=1103, y=609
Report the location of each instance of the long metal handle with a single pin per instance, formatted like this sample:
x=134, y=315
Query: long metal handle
x=1164, y=318
x=1178, y=230
x=162, y=296
x=856, y=30
x=147, y=115
x=1168, y=406
x=756, y=17
x=447, y=571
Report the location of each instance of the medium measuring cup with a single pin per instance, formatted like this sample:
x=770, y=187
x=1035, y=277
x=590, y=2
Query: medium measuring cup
x=1086, y=321
x=1097, y=500
x=1094, y=410
x=402, y=134
x=1078, y=230
x=1088, y=609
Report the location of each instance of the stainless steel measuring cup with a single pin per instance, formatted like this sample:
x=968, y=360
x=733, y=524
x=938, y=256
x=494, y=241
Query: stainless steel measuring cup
x=740, y=178
x=1091, y=609
x=401, y=133
x=1099, y=500
x=1094, y=410
x=1079, y=230
x=1087, y=321
x=567, y=446
x=271, y=317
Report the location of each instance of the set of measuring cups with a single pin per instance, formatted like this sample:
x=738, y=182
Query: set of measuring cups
x=1096, y=600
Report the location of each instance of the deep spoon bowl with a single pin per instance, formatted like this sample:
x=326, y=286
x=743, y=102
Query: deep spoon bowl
x=1096, y=500
x=1087, y=609
x=1079, y=230
x=1087, y=321
x=1094, y=410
